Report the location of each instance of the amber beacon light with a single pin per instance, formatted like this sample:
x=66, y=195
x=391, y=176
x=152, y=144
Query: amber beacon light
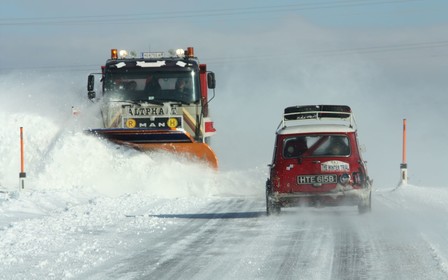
x=114, y=54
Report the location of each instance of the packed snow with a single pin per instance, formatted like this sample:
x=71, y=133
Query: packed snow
x=93, y=210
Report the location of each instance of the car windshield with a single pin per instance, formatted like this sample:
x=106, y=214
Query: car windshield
x=316, y=145
x=155, y=86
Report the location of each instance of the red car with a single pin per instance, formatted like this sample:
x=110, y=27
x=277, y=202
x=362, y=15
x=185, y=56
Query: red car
x=317, y=161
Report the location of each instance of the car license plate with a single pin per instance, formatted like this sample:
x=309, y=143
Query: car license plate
x=317, y=179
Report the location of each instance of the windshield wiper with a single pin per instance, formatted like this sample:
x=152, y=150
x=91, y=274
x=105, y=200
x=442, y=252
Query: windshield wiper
x=174, y=101
x=156, y=102
x=139, y=102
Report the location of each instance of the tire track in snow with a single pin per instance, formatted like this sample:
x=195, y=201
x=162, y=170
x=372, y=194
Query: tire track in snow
x=231, y=238
x=394, y=234
x=350, y=254
x=188, y=248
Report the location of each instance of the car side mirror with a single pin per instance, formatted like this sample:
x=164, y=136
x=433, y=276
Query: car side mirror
x=362, y=148
x=211, y=82
x=91, y=86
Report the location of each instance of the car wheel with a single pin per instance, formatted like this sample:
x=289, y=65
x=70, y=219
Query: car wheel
x=272, y=208
x=365, y=206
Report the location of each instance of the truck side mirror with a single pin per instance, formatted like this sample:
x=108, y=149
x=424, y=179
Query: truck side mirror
x=211, y=82
x=91, y=86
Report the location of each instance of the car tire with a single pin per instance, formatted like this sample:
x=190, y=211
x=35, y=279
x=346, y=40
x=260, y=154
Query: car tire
x=272, y=208
x=365, y=206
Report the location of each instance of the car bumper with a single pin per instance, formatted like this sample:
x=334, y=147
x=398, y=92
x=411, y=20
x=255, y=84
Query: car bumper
x=333, y=198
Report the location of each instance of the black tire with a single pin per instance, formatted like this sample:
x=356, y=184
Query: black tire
x=272, y=208
x=365, y=207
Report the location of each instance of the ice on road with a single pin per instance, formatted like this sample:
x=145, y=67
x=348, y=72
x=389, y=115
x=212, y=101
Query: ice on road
x=65, y=235
x=93, y=210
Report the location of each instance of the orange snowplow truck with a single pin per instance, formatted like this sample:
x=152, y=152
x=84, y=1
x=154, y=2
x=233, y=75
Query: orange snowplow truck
x=156, y=101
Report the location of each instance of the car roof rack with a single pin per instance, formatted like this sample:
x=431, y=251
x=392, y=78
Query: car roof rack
x=332, y=113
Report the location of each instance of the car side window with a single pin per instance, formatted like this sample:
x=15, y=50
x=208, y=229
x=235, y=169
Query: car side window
x=294, y=147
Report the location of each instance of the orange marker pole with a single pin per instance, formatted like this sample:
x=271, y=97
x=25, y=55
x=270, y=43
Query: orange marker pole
x=404, y=141
x=404, y=165
x=22, y=174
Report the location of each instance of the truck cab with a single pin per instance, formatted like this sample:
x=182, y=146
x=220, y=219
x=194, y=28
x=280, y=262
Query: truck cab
x=317, y=160
x=156, y=101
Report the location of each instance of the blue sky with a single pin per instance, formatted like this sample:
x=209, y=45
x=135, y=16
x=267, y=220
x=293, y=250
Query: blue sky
x=344, y=13
x=387, y=59
x=42, y=25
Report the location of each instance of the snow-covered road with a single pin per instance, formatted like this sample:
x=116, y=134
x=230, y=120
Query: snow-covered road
x=139, y=237
x=93, y=210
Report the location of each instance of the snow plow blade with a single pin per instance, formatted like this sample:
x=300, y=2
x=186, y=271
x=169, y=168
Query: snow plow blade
x=174, y=141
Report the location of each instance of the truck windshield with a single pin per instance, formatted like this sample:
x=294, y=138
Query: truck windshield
x=316, y=145
x=151, y=85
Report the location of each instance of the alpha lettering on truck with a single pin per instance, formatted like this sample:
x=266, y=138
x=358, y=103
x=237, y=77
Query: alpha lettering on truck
x=150, y=111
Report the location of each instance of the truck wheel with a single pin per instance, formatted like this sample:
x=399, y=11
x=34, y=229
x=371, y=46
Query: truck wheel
x=365, y=206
